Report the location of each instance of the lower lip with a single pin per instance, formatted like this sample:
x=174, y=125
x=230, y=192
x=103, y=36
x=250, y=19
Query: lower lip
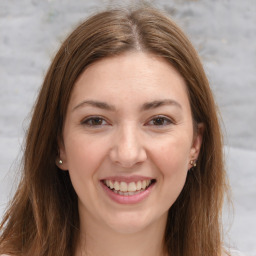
x=133, y=199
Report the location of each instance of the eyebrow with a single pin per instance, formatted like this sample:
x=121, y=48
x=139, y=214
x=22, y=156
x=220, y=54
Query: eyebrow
x=97, y=104
x=160, y=103
x=145, y=106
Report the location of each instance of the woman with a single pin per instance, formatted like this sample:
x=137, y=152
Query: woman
x=124, y=149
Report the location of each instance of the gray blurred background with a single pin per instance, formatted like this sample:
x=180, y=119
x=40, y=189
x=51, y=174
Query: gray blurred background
x=223, y=32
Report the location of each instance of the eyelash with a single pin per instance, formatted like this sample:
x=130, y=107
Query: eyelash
x=88, y=121
x=93, y=118
x=167, y=121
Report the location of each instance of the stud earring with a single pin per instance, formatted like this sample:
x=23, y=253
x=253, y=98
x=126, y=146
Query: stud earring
x=193, y=163
x=60, y=161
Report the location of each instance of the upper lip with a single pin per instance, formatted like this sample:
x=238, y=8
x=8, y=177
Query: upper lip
x=127, y=179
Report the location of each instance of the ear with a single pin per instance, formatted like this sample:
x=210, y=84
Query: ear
x=196, y=144
x=63, y=164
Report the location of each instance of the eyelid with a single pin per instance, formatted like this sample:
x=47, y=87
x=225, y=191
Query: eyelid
x=89, y=118
x=168, y=119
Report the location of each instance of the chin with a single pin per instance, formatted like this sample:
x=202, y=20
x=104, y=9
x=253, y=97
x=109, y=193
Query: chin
x=130, y=223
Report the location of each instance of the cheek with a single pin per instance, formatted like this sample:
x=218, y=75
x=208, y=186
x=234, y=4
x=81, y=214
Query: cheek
x=83, y=155
x=84, y=158
x=172, y=155
x=171, y=160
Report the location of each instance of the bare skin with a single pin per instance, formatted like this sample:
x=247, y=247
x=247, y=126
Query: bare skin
x=129, y=116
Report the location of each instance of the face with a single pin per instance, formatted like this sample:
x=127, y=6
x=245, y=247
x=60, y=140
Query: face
x=128, y=141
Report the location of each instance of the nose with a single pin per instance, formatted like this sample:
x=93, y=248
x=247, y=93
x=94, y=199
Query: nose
x=128, y=150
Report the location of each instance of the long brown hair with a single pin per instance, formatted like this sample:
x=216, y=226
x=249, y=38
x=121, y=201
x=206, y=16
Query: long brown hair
x=42, y=218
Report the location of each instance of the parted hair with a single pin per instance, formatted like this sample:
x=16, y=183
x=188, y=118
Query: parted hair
x=42, y=218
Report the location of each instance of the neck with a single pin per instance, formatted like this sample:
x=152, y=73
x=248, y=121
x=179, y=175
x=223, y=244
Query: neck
x=95, y=240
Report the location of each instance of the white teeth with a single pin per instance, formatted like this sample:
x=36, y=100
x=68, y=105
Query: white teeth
x=111, y=185
x=124, y=188
x=138, y=187
x=132, y=187
x=116, y=185
x=144, y=184
x=126, y=193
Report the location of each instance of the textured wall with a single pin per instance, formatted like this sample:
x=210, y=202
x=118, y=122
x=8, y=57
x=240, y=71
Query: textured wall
x=222, y=31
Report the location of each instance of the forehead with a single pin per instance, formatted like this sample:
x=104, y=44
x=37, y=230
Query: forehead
x=133, y=77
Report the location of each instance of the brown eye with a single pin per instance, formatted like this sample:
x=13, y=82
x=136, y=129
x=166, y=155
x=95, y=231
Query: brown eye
x=160, y=121
x=94, y=121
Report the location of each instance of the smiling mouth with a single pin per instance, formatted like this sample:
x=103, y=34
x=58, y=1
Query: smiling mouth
x=128, y=188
